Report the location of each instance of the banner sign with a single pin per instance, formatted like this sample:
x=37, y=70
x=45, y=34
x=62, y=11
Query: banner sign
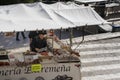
x=56, y=71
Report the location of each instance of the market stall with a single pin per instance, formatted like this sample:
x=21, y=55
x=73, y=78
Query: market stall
x=58, y=61
x=112, y=8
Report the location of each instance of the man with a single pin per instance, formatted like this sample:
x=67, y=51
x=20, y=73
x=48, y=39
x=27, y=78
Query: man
x=38, y=42
x=52, y=35
x=32, y=35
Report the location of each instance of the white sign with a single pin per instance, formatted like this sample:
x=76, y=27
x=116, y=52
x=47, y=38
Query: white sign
x=56, y=71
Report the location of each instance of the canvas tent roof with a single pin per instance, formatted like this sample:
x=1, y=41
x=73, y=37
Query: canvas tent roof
x=89, y=1
x=34, y=16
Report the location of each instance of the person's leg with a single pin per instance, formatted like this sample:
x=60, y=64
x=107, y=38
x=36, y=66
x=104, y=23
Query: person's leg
x=17, y=36
x=23, y=35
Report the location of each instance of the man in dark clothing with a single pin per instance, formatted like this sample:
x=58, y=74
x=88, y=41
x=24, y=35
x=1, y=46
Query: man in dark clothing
x=38, y=43
x=32, y=35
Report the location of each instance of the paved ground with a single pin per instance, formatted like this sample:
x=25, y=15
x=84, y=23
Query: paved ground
x=8, y=42
x=100, y=59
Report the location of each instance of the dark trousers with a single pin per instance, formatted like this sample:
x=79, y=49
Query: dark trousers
x=17, y=35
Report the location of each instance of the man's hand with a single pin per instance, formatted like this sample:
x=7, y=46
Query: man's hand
x=41, y=50
x=37, y=49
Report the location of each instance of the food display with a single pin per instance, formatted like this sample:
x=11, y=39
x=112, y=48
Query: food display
x=55, y=50
x=65, y=56
x=3, y=51
x=63, y=53
x=4, y=61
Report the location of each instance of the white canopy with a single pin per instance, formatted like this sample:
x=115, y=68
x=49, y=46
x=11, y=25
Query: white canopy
x=89, y=1
x=35, y=16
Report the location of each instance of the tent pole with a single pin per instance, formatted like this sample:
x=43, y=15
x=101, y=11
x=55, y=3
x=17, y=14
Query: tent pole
x=52, y=45
x=83, y=34
x=71, y=36
x=60, y=33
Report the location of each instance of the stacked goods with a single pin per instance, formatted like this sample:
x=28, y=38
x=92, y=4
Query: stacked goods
x=9, y=34
x=27, y=59
x=4, y=60
x=63, y=55
x=61, y=51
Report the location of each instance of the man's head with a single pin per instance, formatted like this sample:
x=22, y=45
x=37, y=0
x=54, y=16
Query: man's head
x=41, y=35
x=51, y=32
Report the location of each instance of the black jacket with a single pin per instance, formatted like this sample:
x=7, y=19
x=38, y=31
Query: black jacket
x=38, y=43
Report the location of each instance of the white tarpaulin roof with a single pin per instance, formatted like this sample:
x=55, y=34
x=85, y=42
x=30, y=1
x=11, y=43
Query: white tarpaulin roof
x=34, y=16
x=89, y=1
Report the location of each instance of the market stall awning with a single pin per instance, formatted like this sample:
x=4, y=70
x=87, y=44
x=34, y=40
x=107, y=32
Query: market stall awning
x=20, y=17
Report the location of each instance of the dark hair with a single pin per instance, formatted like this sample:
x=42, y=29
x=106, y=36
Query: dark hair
x=42, y=32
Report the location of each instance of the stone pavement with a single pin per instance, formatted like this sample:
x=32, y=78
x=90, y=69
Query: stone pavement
x=100, y=56
x=100, y=59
